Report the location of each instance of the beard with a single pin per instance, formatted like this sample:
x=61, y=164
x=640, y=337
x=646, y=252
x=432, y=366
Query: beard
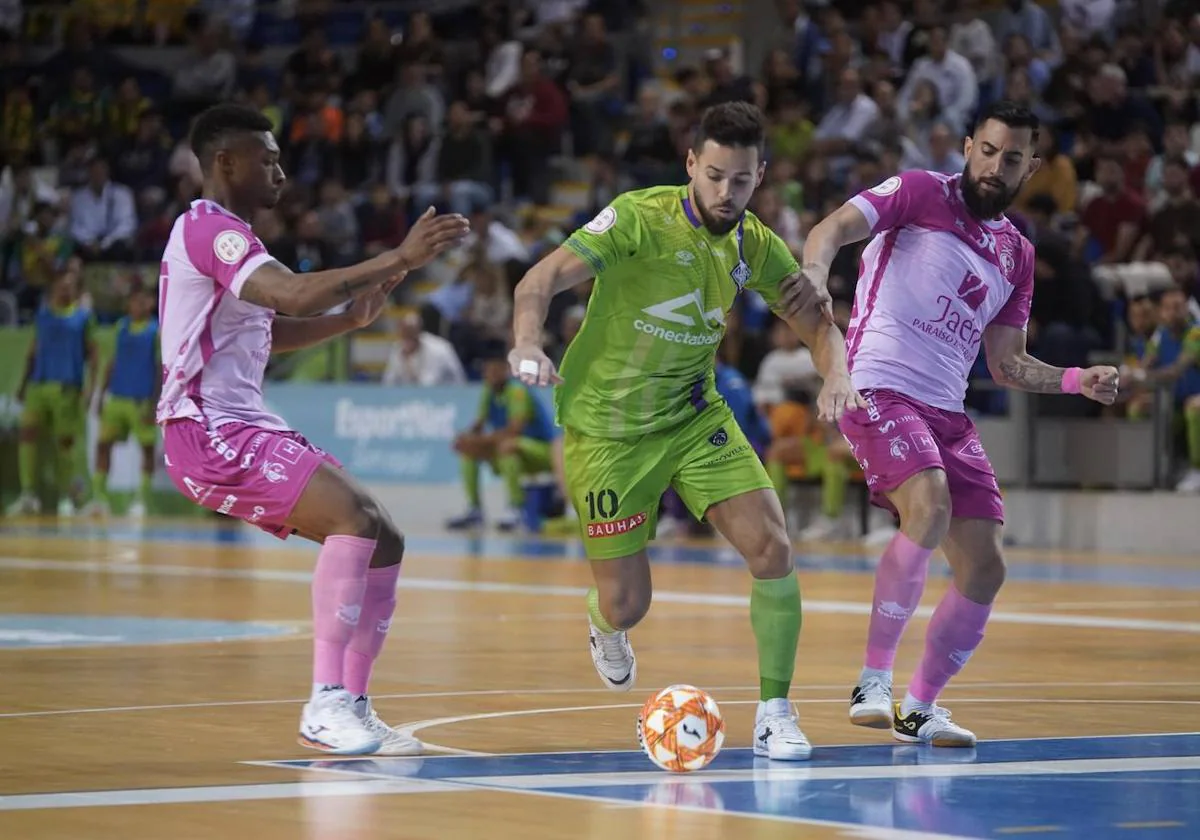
x=715, y=225
x=986, y=205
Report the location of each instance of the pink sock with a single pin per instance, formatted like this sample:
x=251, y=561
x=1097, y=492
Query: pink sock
x=955, y=630
x=379, y=603
x=337, y=595
x=899, y=581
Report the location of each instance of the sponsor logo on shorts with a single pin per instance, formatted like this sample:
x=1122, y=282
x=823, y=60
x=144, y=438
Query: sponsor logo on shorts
x=259, y=512
x=273, y=472
x=222, y=448
x=227, y=504
x=899, y=448
x=728, y=455
x=252, y=450
x=719, y=437
x=923, y=442
x=972, y=449
x=888, y=425
x=349, y=613
x=288, y=451
x=199, y=491
x=618, y=526
x=872, y=410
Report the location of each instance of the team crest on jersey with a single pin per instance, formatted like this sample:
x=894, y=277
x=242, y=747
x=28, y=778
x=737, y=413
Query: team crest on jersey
x=740, y=274
x=886, y=188
x=605, y=219
x=1007, y=263
x=230, y=247
x=719, y=438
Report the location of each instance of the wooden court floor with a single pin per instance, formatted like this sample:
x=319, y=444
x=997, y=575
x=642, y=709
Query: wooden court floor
x=151, y=679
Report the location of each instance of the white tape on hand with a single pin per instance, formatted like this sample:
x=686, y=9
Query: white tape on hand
x=530, y=367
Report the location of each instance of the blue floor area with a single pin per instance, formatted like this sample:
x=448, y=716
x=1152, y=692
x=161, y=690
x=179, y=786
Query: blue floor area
x=1096, y=788
x=1135, y=572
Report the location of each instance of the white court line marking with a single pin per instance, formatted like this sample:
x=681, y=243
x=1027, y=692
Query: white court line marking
x=534, y=692
x=806, y=773
x=662, y=596
x=220, y=793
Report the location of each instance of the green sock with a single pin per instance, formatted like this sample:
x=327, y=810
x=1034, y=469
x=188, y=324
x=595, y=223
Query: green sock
x=593, y=605
x=779, y=478
x=470, y=479
x=834, y=478
x=509, y=467
x=775, y=616
x=1191, y=417
x=27, y=466
x=143, y=494
x=100, y=486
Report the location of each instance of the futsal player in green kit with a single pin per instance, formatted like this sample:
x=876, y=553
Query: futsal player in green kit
x=130, y=395
x=59, y=375
x=639, y=407
x=513, y=433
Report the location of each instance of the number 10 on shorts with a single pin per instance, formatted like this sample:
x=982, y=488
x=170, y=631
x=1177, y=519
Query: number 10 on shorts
x=602, y=505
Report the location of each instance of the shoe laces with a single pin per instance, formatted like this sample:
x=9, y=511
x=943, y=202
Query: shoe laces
x=785, y=725
x=339, y=705
x=613, y=647
x=875, y=688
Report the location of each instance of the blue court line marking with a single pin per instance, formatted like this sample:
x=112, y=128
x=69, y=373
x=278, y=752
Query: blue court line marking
x=1137, y=572
x=29, y=630
x=1092, y=787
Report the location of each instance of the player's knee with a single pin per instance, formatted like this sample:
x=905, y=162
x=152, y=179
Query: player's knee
x=926, y=514
x=390, y=545
x=627, y=605
x=772, y=556
x=366, y=519
x=984, y=577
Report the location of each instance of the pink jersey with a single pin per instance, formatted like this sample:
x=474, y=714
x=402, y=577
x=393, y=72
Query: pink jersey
x=214, y=346
x=931, y=280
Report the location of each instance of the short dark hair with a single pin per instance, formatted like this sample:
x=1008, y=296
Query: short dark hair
x=737, y=124
x=1012, y=115
x=218, y=123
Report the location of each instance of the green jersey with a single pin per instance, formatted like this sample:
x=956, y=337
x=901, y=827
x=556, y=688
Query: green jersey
x=645, y=355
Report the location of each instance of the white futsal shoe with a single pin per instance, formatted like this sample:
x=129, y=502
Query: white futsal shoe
x=777, y=732
x=871, y=703
x=392, y=742
x=613, y=657
x=329, y=724
x=932, y=726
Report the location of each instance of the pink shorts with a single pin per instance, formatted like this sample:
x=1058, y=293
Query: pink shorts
x=898, y=437
x=242, y=471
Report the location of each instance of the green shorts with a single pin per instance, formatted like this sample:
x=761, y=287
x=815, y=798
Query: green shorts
x=52, y=406
x=122, y=417
x=616, y=483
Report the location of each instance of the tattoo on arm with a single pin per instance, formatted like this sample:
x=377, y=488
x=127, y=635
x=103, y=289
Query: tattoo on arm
x=1028, y=374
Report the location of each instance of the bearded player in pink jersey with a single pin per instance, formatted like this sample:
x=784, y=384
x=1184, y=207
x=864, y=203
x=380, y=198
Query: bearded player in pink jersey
x=944, y=272
x=218, y=297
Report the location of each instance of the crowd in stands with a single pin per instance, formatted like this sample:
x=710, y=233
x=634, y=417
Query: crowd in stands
x=484, y=112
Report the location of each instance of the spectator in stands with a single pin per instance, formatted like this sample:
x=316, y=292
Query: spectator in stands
x=1056, y=176
x=650, y=157
x=125, y=111
x=338, y=224
x=846, y=124
x=79, y=115
x=421, y=46
x=919, y=114
x=1173, y=358
x=375, y=67
x=1114, y=218
x=209, y=74
x=412, y=96
x=142, y=161
x=1019, y=55
x=944, y=155
x=1176, y=144
x=312, y=251
x=20, y=193
x=952, y=76
x=535, y=115
x=412, y=160
x=973, y=39
x=724, y=84
x=314, y=63
x=488, y=317
x=40, y=249
x=358, y=158
x=1033, y=23
x=791, y=132
x=103, y=217
x=18, y=125
x=512, y=433
x=1173, y=221
x=1111, y=110
x=593, y=82
x=502, y=55
x=463, y=166
x=381, y=221
x=421, y=358
x=783, y=220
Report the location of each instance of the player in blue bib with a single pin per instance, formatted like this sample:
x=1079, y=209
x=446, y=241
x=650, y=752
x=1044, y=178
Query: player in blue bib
x=60, y=372
x=130, y=395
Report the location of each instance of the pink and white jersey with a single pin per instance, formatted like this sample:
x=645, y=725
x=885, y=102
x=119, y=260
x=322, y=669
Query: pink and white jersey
x=932, y=278
x=214, y=346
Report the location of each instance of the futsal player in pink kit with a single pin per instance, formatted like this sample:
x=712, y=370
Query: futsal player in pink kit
x=219, y=295
x=944, y=272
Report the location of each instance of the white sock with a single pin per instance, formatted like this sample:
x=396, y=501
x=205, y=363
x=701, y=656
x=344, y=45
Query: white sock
x=320, y=688
x=867, y=673
x=912, y=704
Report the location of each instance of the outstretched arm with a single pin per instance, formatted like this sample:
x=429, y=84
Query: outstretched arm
x=828, y=348
x=807, y=289
x=1011, y=366
x=289, y=333
x=558, y=271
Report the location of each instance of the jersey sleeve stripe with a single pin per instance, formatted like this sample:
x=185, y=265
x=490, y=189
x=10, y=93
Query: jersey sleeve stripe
x=867, y=209
x=247, y=268
x=585, y=253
